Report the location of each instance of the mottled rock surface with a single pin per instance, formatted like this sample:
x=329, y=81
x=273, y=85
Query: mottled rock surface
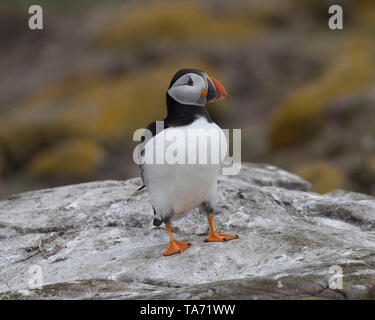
x=101, y=244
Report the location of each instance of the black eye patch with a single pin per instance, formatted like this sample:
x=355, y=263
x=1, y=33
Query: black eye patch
x=190, y=81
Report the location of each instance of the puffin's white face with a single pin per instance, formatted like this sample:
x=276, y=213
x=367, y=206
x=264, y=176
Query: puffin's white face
x=191, y=89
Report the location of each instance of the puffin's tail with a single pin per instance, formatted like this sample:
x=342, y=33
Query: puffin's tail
x=157, y=222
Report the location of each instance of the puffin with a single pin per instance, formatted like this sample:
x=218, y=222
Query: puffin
x=176, y=188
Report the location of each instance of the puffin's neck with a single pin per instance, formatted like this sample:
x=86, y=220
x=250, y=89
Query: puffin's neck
x=179, y=114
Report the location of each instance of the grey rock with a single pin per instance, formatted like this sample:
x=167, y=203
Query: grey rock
x=100, y=243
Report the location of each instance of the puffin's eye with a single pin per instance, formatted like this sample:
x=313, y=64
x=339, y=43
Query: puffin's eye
x=190, y=81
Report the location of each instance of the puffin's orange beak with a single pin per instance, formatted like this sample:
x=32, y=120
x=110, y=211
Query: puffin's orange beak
x=221, y=93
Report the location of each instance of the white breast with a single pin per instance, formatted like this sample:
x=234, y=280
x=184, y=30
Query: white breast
x=181, y=186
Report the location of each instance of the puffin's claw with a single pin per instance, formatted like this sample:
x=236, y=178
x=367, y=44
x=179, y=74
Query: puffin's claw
x=176, y=247
x=220, y=237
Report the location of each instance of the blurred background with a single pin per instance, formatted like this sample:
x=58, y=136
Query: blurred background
x=72, y=95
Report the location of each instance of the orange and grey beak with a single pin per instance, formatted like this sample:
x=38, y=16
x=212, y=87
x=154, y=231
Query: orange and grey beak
x=216, y=90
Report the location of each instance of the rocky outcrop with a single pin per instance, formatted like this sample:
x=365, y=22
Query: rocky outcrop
x=96, y=240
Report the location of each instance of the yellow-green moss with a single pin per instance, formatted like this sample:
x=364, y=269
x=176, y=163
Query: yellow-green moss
x=66, y=159
x=300, y=114
x=323, y=176
x=180, y=21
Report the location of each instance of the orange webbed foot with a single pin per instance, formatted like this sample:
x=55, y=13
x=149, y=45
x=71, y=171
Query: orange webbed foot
x=176, y=247
x=220, y=237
